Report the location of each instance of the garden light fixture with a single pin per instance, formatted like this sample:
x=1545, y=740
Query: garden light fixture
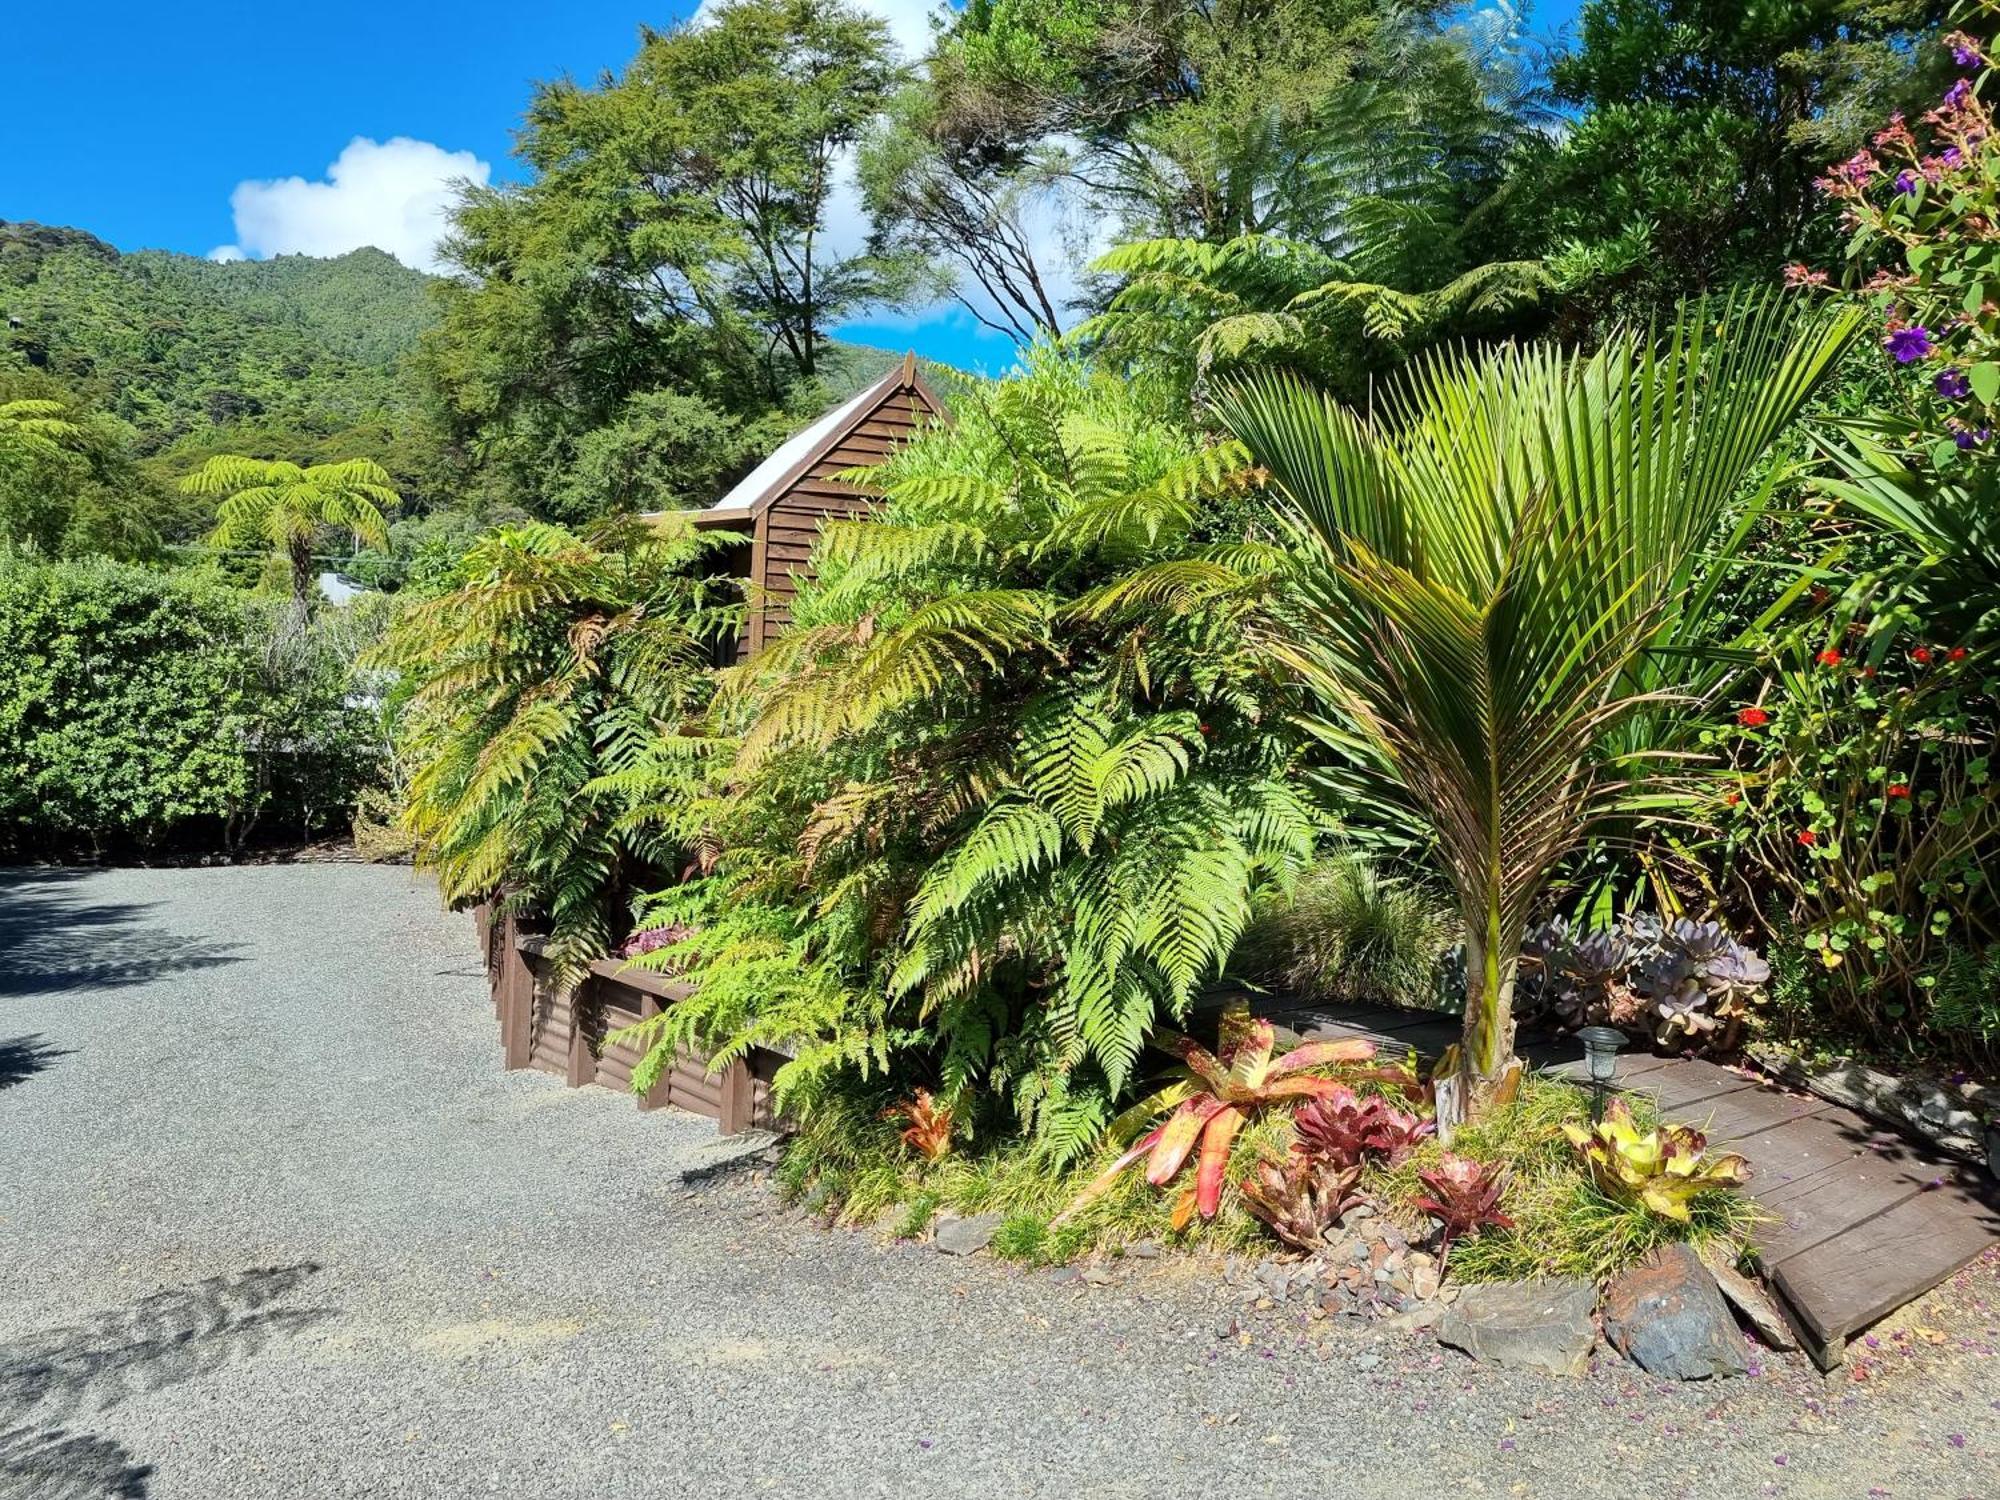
x=1601, y=1045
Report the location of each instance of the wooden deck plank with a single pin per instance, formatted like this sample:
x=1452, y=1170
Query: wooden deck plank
x=1863, y=1274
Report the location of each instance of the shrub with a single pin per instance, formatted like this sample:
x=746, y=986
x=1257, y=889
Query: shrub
x=128, y=702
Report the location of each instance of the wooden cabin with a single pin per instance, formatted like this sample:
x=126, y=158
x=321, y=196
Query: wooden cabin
x=780, y=504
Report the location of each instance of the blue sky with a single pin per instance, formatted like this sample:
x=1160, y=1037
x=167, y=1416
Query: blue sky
x=139, y=121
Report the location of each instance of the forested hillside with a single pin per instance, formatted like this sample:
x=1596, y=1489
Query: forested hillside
x=176, y=345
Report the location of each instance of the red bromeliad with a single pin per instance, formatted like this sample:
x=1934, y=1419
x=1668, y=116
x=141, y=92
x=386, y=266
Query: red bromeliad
x=1222, y=1091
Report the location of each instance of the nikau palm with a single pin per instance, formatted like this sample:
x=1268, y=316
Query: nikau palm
x=285, y=506
x=1481, y=565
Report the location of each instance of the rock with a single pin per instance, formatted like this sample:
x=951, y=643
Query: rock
x=1756, y=1309
x=956, y=1236
x=1524, y=1325
x=1423, y=1281
x=1367, y=1361
x=1416, y=1320
x=1667, y=1316
x=1143, y=1250
x=1226, y=1326
x=1062, y=1275
x=1097, y=1276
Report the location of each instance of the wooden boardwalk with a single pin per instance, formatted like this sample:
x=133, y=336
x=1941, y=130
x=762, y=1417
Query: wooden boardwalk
x=1861, y=1219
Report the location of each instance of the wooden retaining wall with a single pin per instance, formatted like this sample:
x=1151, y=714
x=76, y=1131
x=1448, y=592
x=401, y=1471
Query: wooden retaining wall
x=563, y=1031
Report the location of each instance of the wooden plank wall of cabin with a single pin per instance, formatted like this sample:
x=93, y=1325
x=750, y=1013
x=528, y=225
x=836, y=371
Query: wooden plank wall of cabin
x=787, y=530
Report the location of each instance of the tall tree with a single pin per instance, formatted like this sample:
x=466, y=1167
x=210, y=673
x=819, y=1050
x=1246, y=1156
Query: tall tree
x=677, y=235
x=1701, y=126
x=286, y=507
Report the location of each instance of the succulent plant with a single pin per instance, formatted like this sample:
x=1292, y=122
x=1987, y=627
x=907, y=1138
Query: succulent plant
x=1463, y=1196
x=1575, y=978
x=1685, y=982
x=1220, y=1092
x=1701, y=982
x=1301, y=1197
x=1344, y=1129
x=1663, y=1169
x=928, y=1128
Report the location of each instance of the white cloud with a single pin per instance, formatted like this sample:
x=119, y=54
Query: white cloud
x=909, y=20
x=390, y=194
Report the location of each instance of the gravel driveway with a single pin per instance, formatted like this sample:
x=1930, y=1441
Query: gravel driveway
x=273, y=1223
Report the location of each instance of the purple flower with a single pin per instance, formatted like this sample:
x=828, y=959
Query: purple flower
x=1952, y=385
x=1965, y=55
x=1957, y=1439
x=1906, y=181
x=1958, y=93
x=1909, y=344
x=1968, y=439
x=1952, y=156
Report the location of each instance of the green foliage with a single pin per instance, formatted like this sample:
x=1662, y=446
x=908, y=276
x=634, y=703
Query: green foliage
x=648, y=313
x=1008, y=788
x=553, y=666
x=1482, y=564
x=1190, y=311
x=1859, y=817
x=142, y=709
x=1700, y=127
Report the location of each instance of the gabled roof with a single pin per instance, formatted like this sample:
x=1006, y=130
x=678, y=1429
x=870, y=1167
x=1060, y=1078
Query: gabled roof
x=794, y=458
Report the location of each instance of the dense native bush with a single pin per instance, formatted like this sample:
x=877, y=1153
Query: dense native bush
x=1347, y=930
x=140, y=708
x=1006, y=791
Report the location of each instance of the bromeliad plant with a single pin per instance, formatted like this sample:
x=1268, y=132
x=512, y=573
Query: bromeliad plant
x=1484, y=562
x=1663, y=1169
x=1345, y=1129
x=927, y=1124
x=1300, y=1197
x=1219, y=1093
x=1463, y=1195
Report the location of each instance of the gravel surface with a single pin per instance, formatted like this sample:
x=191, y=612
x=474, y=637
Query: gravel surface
x=273, y=1223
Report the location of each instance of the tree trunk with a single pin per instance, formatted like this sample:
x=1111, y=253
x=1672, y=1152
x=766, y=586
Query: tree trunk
x=302, y=578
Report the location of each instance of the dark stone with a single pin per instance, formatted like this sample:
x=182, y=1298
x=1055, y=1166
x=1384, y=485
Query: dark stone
x=1524, y=1325
x=1752, y=1305
x=1667, y=1316
x=956, y=1236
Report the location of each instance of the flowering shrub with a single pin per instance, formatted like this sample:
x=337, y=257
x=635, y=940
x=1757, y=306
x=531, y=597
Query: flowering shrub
x=1857, y=818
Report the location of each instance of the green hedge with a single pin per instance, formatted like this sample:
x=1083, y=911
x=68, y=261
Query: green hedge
x=142, y=708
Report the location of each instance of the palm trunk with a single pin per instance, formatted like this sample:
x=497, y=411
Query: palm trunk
x=1488, y=1074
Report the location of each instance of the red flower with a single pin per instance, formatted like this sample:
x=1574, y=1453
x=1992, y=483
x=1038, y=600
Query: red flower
x=1808, y=837
x=1730, y=799
x=1829, y=657
x=1752, y=717
x=1921, y=656
x=1206, y=730
x=1898, y=789
x=1867, y=671
x=1957, y=653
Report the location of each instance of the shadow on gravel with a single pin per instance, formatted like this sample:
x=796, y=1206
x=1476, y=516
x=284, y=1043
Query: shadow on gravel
x=53, y=938
x=24, y=1057
x=158, y=1341
x=52, y=1464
